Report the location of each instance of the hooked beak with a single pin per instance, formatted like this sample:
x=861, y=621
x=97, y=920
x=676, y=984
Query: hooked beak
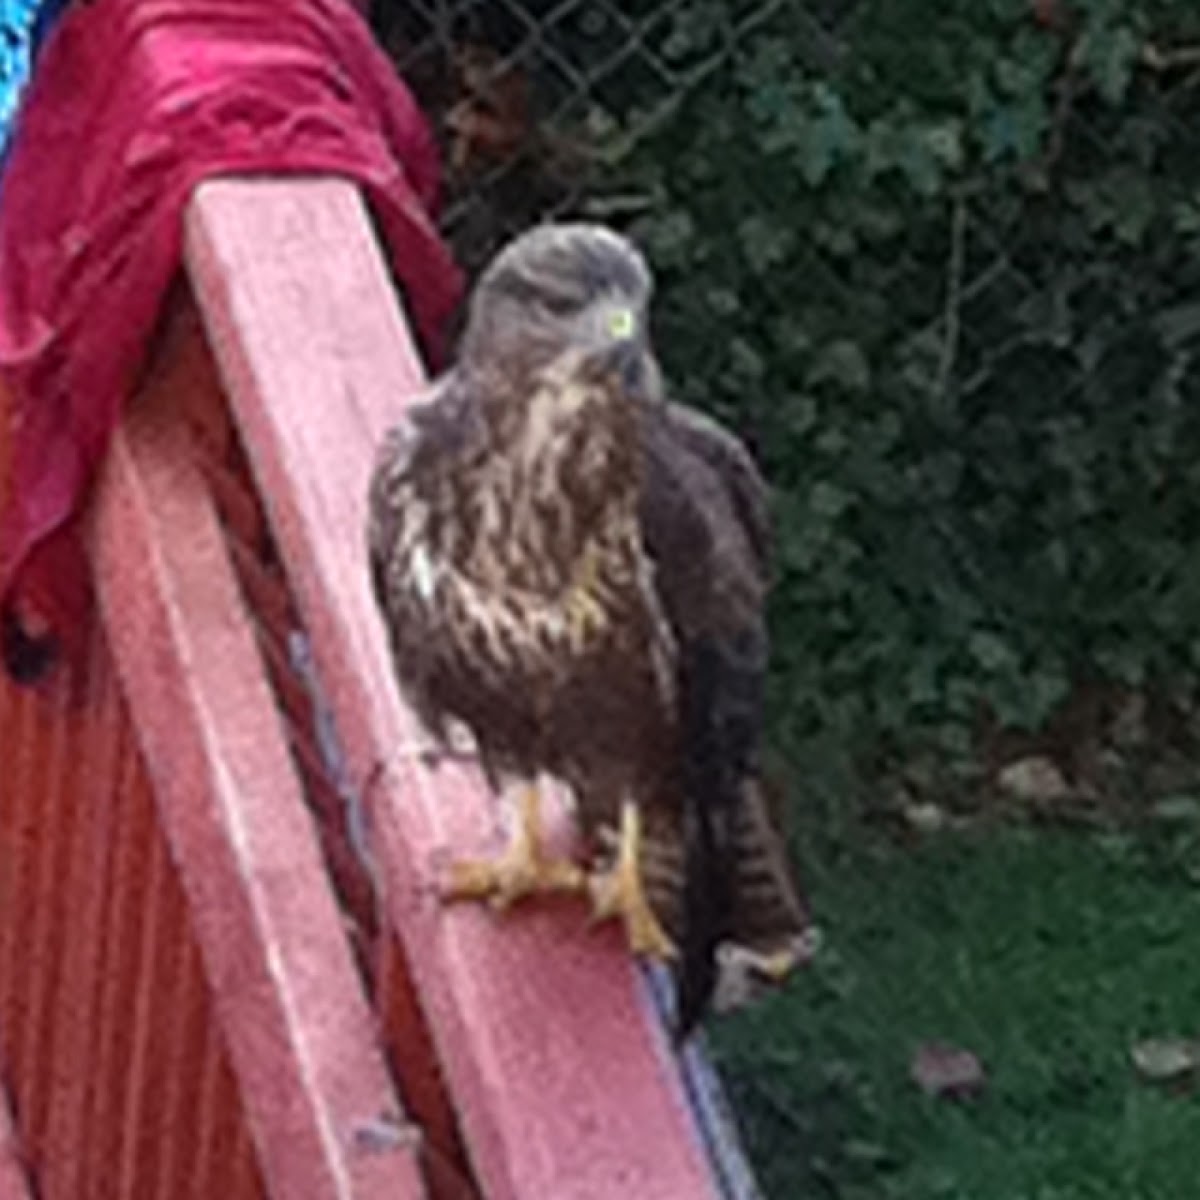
x=620, y=352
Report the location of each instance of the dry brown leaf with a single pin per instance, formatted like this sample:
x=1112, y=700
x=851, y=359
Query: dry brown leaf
x=1166, y=1060
x=946, y=1071
x=926, y=818
x=490, y=120
x=1034, y=780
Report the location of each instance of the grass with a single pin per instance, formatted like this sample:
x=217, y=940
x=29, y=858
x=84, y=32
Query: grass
x=1048, y=955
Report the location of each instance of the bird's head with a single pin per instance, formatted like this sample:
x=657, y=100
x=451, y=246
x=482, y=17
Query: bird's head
x=570, y=298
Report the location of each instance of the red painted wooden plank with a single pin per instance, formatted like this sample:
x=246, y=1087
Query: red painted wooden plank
x=297, y=1025
x=135, y=1129
x=564, y=1084
x=77, y=829
x=69, y=1071
x=58, y=815
x=14, y=1185
x=409, y=1044
x=42, y=822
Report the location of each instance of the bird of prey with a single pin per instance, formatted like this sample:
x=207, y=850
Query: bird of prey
x=575, y=568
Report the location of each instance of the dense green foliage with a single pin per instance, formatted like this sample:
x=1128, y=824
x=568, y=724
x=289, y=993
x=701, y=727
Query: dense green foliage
x=939, y=260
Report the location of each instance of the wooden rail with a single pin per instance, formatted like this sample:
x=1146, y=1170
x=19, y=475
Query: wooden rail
x=325, y=1117
x=557, y=1067
x=179, y=1011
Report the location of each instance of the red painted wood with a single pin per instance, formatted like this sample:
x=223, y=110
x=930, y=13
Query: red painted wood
x=268, y=596
x=56, y=823
x=563, y=1081
x=69, y=1085
x=14, y=1184
x=299, y=1032
x=410, y=1049
x=81, y=1102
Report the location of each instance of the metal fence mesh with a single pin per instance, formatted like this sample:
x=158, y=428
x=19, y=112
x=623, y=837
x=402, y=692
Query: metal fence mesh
x=535, y=102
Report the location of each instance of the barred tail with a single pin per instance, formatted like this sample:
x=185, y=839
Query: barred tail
x=714, y=741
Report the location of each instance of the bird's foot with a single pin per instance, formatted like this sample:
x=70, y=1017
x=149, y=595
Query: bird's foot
x=524, y=869
x=619, y=892
x=776, y=967
x=515, y=874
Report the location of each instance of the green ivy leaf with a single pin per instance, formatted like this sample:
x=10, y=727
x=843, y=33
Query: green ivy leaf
x=1178, y=325
x=991, y=651
x=800, y=414
x=828, y=500
x=827, y=136
x=1110, y=53
x=1014, y=129
x=668, y=238
x=767, y=243
x=843, y=363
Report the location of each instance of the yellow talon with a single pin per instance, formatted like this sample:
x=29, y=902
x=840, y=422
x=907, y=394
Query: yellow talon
x=619, y=892
x=778, y=966
x=522, y=870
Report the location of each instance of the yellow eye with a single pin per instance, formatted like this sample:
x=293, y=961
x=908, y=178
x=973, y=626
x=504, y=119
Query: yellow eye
x=622, y=323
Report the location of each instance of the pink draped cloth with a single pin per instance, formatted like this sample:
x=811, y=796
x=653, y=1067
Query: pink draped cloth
x=133, y=104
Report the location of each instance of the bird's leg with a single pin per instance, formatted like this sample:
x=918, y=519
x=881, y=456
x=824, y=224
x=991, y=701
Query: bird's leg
x=523, y=869
x=618, y=891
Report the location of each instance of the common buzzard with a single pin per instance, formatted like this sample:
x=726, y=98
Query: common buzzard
x=576, y=568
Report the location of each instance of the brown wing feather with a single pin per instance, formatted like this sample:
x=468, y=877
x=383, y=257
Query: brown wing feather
x=434, y=434
x=734, y=465
x=705, y=525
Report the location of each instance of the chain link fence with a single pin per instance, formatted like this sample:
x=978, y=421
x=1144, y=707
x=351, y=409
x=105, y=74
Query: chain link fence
x=538, y=103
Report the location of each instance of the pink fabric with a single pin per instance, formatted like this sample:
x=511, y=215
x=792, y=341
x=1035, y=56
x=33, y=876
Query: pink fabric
x=133, y=104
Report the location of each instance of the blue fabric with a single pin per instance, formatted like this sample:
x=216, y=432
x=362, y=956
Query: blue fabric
x=23, y=25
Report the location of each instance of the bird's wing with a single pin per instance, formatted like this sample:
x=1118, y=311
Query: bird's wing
x=432, y=431
x=733, y=464
x=393, y=464
x=703, y=516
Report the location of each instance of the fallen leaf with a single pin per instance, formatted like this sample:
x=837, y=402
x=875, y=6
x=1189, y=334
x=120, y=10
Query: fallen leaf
x=926, y=818
x=1177, y=810
x=1034, y=780
x=1049, y=14
x=946, y=1071
x=1166, y=1060
x=490, y=120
